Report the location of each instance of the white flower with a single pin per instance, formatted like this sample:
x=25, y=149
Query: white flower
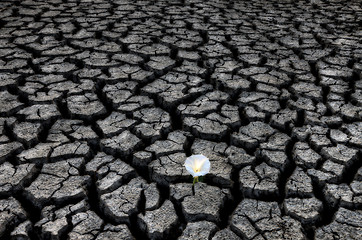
x=197, y=165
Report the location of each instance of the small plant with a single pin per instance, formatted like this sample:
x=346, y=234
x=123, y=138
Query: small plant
x=197, y=165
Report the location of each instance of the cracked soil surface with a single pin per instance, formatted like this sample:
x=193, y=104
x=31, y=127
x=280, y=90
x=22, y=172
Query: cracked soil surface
x=102, y=101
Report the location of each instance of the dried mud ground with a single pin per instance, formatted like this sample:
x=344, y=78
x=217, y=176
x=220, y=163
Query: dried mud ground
x=102, y=101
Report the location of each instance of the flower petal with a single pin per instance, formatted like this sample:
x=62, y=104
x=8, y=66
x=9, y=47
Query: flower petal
x=190, y=161
x=199, y=160
x=190, y=170
x=205, y=168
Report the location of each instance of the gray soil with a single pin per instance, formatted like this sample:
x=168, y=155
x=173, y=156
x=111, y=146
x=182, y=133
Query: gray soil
x=102, y=101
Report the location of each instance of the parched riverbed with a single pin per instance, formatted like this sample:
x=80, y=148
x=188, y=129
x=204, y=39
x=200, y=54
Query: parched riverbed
x=102, y=101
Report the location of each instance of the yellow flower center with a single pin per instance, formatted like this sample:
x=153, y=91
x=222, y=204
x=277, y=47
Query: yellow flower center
x=198, y=165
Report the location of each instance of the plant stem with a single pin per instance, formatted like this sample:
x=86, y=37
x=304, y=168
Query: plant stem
x=196, y=179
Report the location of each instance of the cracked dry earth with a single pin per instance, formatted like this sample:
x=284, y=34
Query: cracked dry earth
x=102, y=101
